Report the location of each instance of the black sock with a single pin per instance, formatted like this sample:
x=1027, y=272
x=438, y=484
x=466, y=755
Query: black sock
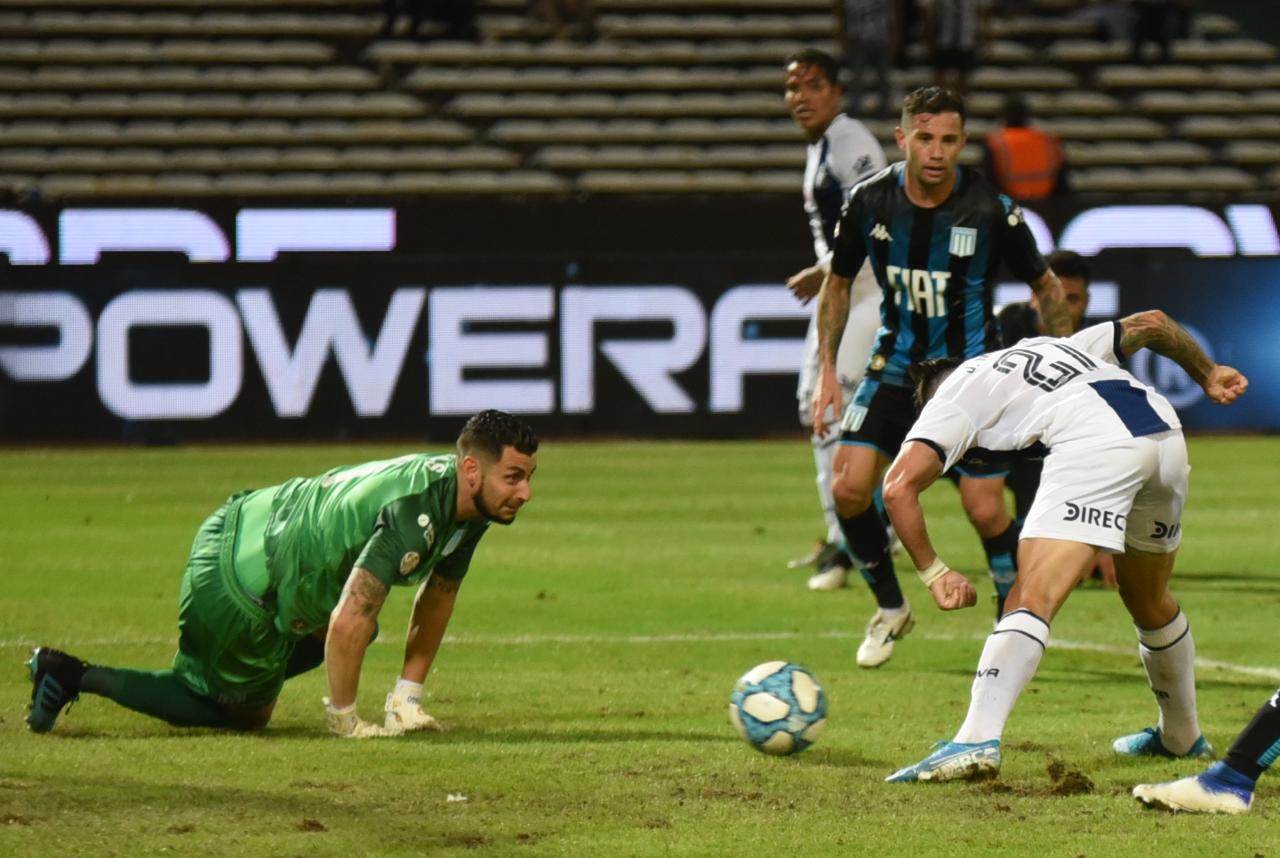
x=1255, y=749
x=869, y=545
x=1002, y=562
x=159, y=694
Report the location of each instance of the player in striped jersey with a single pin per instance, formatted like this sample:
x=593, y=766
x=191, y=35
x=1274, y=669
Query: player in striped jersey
x=1115, y=480
x=936, y=236
x=840, y=153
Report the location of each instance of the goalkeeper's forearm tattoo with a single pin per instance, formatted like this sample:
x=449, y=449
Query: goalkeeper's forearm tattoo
x=365, y=592
x=1154, y=330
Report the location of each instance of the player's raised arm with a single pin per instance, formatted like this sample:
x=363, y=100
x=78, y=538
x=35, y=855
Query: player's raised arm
x=1153, y=329
x=1053, y=304
x=351, y=627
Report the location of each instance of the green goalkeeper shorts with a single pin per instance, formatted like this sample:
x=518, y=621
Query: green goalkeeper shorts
x=228, y=646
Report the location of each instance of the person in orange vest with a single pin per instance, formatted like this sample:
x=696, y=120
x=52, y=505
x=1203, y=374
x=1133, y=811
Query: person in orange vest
x=1025, y=162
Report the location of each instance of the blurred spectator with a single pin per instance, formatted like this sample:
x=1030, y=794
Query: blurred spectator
x=1023, y=161
x=1153, y=21
x=458, y=17
x=574, y=19
x=1111, y=19
x=867, y=29
x=417, y=10
x=955, y=29
x=907, y=30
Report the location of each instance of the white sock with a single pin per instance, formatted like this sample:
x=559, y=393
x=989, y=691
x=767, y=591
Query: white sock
x=824, y=453
x=1169, y=654
x=1009, y=660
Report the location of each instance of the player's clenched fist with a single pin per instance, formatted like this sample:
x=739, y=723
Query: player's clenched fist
x=952, y=590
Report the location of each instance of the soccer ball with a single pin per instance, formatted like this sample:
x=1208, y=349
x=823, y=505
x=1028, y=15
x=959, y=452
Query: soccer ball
x=778, y=708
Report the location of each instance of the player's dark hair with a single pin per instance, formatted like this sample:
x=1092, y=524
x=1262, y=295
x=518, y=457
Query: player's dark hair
x=931, y=99
x=1068, y=263
x=488, y=432
x=928, y=375
x=813, y=57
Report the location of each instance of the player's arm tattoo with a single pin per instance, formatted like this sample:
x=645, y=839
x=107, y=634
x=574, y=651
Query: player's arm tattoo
x=1154, y=330
x=364, y=593
x=1053, y=304
x=833, y=314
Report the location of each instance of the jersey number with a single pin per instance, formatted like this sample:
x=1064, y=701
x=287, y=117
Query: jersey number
x=1030, y=362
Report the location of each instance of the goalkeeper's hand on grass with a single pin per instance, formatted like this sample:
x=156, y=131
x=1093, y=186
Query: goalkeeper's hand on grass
x=404, y=710
x=346, y=723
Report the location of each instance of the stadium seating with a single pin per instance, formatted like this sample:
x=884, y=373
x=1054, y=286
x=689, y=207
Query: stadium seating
x=157, y=97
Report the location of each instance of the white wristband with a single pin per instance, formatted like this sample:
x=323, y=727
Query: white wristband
x=933, y=571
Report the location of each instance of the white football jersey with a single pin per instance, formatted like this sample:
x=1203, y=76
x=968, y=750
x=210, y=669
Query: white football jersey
x=846, y=154
x=1048, y=390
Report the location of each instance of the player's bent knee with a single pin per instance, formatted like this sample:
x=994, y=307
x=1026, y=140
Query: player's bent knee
x=851, y=499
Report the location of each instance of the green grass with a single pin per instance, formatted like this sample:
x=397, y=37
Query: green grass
x=588, y=669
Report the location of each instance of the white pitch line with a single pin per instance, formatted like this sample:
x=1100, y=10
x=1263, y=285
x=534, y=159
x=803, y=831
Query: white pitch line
x=1270, y=673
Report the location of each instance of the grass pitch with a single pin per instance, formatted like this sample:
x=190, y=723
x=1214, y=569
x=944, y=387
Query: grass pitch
x=588, y=669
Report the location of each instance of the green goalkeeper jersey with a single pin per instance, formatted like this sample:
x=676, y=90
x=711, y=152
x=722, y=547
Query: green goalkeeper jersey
x=394, y=518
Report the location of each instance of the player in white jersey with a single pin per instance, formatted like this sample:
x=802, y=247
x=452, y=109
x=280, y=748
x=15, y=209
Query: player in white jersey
x=1115, y=480
x=840, y=153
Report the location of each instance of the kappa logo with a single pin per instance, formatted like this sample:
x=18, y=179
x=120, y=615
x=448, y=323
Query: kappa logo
x=880, y=233
x=428, y=530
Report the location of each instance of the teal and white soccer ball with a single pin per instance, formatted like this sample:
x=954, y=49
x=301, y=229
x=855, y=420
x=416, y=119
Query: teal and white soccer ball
x=778, y=708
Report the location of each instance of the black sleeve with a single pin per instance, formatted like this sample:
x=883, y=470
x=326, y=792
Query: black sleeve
x=850, y=246
x=1018, y=245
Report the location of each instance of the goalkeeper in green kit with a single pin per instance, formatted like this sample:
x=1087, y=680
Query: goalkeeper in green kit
x=285, y=578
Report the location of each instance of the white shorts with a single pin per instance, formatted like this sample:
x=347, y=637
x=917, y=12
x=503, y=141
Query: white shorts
x=1127, y=493
x=855, y=346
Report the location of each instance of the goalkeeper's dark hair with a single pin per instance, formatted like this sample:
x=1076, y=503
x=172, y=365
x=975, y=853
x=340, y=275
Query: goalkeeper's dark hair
x=487, y=433
x=822, y=60
x=927, y=375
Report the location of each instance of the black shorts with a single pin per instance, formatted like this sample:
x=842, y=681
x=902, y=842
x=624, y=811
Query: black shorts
x=881, y=415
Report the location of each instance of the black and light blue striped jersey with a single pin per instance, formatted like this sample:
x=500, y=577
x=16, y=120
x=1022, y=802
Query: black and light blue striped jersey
x=846, y=154
x=936, y=267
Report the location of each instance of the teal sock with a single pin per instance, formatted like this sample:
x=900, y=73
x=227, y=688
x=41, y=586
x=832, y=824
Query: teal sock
x=159, y=694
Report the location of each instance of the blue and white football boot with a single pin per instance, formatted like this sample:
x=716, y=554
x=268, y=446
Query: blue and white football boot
x=1218, y=789
x=954, y=761
x=1148, y=744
